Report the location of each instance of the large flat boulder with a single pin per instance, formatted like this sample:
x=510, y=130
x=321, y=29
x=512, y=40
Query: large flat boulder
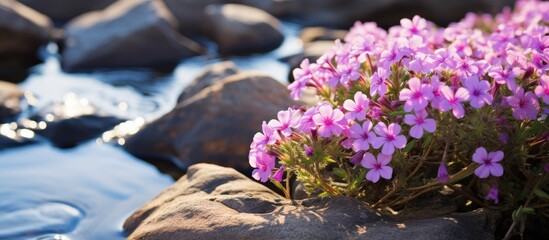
x=22, y=32
x=215, y=125
x=129, y=33
x=212, y=202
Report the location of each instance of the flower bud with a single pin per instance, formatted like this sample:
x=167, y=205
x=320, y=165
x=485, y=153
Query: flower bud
x=357, y=157
x=442, y=175
x=528, y=73
x=493, y=194
x=277, y=176
x=308, y=151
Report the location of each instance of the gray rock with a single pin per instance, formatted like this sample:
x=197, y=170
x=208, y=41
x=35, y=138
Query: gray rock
x=215, y=125
x=129, y=33
x=239, y=29
x=22, y=32
x=209, y=76
x=10, y=96
x=65, y=10
x=212, y=202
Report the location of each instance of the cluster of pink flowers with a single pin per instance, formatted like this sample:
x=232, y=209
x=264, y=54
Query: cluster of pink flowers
x=384, y=89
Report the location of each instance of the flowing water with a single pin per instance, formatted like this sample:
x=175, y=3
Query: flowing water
x=87, y=192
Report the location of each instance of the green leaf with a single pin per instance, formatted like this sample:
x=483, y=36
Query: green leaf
x=397, y=113
x=528, y=210
x=427, y=141
x=361, y=176
x=278, y=185
x=339, y=172
x=324, y=194
x=409, y=146
x=330, y=160
x=540, y=193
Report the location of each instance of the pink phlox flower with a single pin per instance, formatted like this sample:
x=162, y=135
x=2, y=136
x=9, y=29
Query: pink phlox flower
x=378, y=85
x=391, y=55
x=453, y=100
x=416, y=26
x=540, y=62
x=493, y=194
x=461, y=45
x=466, y=67
x=489, y=163
x=326, y=73
x=296, y=89
x=306, y=123
x=437, y=95
x=263, y=164
x=420, y=122
x=360, y=29
x=388, y=137
x=421, y=63
x=304, y=72
x=502, y=76
x=286, y=121
x=417, y=96
x=341, y=52
x=378, y=167
x=444, y=58
x=524, y=105
x=347, y=72
x=302, y=77
x=515, y=58
x=442, y=174
x=329, y=121
x=362, y=47
x=361, y=135
x=542, y=90
x=357, y=109
x=416, y=45
x=267, y=137
x=478, y=91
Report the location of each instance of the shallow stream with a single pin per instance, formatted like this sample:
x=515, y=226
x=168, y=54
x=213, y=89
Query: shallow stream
x=86, y=192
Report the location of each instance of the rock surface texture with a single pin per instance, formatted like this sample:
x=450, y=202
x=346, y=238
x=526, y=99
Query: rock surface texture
x=212, y=202
x=215, y=125
x=129, y=33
